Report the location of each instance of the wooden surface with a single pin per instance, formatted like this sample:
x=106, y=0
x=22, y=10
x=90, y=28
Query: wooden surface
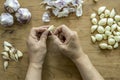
x=57, y=66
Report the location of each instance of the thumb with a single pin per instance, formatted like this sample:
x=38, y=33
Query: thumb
x=56, y=40
x=44, y=36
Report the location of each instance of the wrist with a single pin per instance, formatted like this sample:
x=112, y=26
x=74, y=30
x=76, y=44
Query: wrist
x=36, y=65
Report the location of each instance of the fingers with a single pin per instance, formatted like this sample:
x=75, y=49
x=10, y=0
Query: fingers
x=56, y=39
x=44, y=36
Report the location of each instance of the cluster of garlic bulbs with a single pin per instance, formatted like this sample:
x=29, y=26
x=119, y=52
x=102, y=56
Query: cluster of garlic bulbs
x=106, y=28
x=10, y=53
x=22, y=15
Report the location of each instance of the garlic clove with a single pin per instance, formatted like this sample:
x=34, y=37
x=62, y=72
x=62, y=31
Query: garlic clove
x=93, y=39
x=110, y=36
x=117, y=38
x=109, y=47
x=111, y=41
x=12, y=56
x=5, y=57
x=107, y=13
x=102, y=16
x=94, y=21
x=6, y=19
x=107, y=28
x=100, y=29
x=102, y=22
x=104, y=36
x=110, y=21
x=7, y=44
x=23, y=15
x=93, y=28
x=108, y=33
x=113, y=27
x=45, y=17
x=118, y=28
x=103, y=45
x=112, y=14
x=6, y=48
x=93, y=15
x=11, y=5
x=99, y=37
x=116, y=33
x=5, y=54
x=19, y=53
x=5, y=65
x=117, y=18
x=118, y=23
x=116, y=45
x=51, y=28
x=101, y=10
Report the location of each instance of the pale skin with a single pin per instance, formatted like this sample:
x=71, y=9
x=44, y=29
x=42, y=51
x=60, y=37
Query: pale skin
x=68, y=44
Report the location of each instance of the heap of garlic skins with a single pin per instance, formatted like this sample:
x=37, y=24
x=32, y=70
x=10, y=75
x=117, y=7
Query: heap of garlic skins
x=10, y=53
x=62, y=8
x=106, y=28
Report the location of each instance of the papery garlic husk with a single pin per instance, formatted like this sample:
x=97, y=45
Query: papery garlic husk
x=93, y=39
x=117, y=18
x=93, y=15
x=94, y=21
x=79, y=11
x=11, y=5
x=45, y=17
x=99, y=37
x=110, y=21
x=107, y=13
x=102, y=22
x=5, y=54
x=111, y=41
x=16, y=57
x=103, y=45
x=6, y=19
x=12, y=56
x=113, y=13
x=100, y=29
x=116, y=45
x=5, y=65
x=109, y=47
x=101, y=10
x=6, y=48
x=7, y=44
x=19, y=53
x=93, y=28
x=23, y=15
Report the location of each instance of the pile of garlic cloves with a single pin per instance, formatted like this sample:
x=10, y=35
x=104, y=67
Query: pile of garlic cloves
x=61, y=8
x=22, y=15
x=10, y=53
x=106, y=28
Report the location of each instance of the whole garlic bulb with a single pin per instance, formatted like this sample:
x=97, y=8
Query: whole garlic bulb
x=6, y=19
x=23, y=15
x=11, y=5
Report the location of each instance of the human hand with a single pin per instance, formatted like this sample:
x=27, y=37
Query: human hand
x=37, y=44
x=67, y=42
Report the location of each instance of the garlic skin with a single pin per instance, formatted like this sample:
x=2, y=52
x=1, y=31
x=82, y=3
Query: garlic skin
x=102, y=22
x=6, y=19
x=11, y=5
x=103, y=45
x=101, y=9
x=23, y=15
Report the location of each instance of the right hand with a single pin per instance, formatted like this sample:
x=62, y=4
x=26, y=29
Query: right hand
x=67, y=42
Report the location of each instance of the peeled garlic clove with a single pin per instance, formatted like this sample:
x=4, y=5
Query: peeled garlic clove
x=118, y=28
x=110, y=21
x=116, y=33
x=6, y=19
x=118, y=23
x=45, y=17
x=94, y=21
x=112, y=14
x=51, y=28
x=108, y=33
x=93, y=15
x=100, y=29
x=93, y=39
x=117, y=18
x=103, y=45
x=93, y=28
x=107, y=28
x=6, y=48
x=102, y=22
x=101, y=10
x=7, y=44
x=110, y=36
x=109, y=47
x=113, y=27
x=11, y=5
x=23, y=15
x=19, y=53
x=98, y=37
x=107, y=13
x=104, y=36
x=102, y=16
x=116, y=45
x=5, y=65
x=12, y=56
x=111, y=41
x=117, y=38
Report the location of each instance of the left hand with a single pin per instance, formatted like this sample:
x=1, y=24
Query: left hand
x=37, y=44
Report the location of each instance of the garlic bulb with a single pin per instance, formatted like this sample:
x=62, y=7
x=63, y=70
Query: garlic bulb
x=98, y=37
x=93, y=28
x=107, y=13
x=100, y=29
x=93, y=15
x=23, y=15
x=112, y=14
x=11, y=5
x=6, y=19
x=110, y=21
x=101, y=10
x=102, y=22
x=103, y=45
x=93, y=39
x=46, y=17
x=111, y=41
x=94, y=21
x=117, y=18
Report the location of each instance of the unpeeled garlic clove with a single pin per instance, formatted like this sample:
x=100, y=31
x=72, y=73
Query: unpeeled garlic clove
x=111, y=41
x=23, y=15
x=94, y=21
x=5, y=65
x=102, y=22
x=117, y=18
x=93, y=15
x=98, y=37
x=102, y=16
x=110, y=21
x=101, y=10
x=112, y=14
x=11, y=5
x=103, y=45
x=117, y=38
x=93, y=39
x=100, y=29
x=116, y=45
x=45, y=17
x=107, y=28
x=107, y=13
x=7, y=44
x=6, y=19
x=113, y=27
x=109, y=47
x=51, y=28
x=93, y=28
x=19, y=53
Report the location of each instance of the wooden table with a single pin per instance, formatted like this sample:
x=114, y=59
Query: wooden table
x=57, y=66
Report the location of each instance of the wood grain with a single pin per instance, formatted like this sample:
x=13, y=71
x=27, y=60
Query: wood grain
x=57, y=66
